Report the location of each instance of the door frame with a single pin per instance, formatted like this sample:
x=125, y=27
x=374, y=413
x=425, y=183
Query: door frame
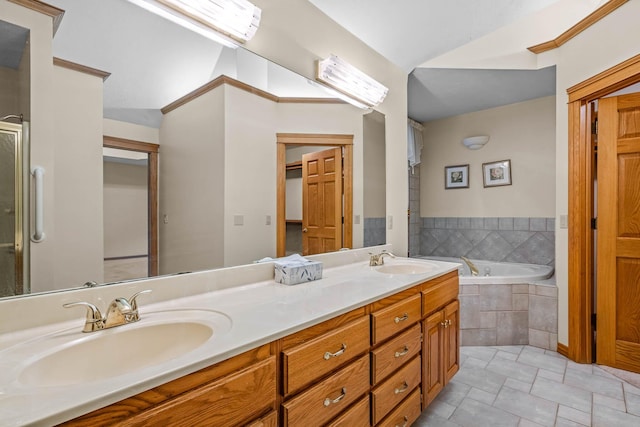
x=581, y=164
x=152, y=194
x=329, y=140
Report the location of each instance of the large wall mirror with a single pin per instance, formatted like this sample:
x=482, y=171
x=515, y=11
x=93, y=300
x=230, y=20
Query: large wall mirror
x=216, y=149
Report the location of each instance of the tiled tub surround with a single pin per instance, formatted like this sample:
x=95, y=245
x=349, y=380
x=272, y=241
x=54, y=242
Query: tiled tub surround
x=524, y=240
x=509, y=314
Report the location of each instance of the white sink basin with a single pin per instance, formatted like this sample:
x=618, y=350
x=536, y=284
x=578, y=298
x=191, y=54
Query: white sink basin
x=88, y=357
x=405, y=267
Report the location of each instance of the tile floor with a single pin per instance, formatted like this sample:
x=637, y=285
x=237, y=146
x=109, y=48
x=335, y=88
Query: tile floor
x=524, y=386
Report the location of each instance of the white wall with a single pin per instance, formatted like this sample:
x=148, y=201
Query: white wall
x=125, y=209
x=192, y=157
x=607, y=43
x=374, y=181
x=78, y=213
x=522, y=132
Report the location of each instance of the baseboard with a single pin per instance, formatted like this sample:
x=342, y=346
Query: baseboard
x=563, y=350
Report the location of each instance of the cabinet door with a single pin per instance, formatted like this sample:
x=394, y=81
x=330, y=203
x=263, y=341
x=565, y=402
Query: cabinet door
x=451, y=340
x=432, y=356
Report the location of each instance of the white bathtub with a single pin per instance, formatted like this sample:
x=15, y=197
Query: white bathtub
x=499, y=272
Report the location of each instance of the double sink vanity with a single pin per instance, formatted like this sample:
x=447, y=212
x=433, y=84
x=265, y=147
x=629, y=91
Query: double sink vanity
x=365, y=345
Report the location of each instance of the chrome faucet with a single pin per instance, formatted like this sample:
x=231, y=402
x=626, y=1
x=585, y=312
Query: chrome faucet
x=379, y=258
x=472, y=267
x=120, y=312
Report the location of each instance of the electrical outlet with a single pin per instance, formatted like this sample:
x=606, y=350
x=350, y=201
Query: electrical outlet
x=238, y=220
x=390, y=222
x=268, y=221
x=356, y=219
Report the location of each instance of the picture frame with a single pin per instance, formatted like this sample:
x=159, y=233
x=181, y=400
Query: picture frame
x=456, y=176
x=496, y=174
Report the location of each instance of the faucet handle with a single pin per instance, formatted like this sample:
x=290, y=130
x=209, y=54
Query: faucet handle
x=132, y=300
x=135, y=316
x=94, y=319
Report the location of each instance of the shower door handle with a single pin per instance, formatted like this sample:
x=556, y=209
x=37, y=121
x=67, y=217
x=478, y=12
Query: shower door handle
x=38, y=210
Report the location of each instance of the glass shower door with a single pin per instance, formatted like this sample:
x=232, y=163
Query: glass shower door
x=11, y=236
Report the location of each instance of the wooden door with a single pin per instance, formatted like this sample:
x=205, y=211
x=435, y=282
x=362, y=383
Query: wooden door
x=322, y=201
x=618, y=242
x=432, y=356
x=451, y=340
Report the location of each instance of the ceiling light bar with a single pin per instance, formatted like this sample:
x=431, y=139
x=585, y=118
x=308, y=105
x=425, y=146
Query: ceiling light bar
x=230, y=22
x=348, y=80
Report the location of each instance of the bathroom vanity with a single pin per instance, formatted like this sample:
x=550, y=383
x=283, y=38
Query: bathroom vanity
x=363, y=346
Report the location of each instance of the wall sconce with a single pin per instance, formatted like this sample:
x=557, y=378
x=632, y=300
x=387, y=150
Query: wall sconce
x=475, y=142
x=349, y=83
x=229, y=22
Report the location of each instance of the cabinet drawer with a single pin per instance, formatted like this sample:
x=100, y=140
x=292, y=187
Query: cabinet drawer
x=392, y=391
x=328, y=398
x=393, y=354
x=440, y=293
x=229, y=401
x=395, y=318
x=309, y=361
x=269, y=420
x=356, y=416
x=405, y=414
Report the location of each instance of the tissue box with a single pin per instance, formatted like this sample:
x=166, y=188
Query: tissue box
x=294, y=273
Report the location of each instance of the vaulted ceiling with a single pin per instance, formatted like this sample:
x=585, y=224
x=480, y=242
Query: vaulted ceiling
x=461, y=55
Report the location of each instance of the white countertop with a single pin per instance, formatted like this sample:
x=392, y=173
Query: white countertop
x=257, y=313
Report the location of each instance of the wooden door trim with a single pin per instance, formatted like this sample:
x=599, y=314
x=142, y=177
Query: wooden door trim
x=580, y=268
x=329, y=140
x=152, y=198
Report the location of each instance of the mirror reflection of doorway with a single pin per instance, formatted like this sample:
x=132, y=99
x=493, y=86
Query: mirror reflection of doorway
x=326, y=224
x=130, y=209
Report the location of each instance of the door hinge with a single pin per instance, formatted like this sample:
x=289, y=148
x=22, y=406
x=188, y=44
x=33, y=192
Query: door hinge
x=594, y=321
x=343, y=220
x=594, y=223
x=421, y=337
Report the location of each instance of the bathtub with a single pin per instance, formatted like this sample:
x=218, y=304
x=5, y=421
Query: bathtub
x=491, y=272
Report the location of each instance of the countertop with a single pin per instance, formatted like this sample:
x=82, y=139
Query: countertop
x=249, y=315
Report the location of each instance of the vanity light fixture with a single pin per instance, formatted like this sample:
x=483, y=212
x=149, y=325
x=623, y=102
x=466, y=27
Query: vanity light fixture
x=229, y=22
x=475, y=142
x=355, y=86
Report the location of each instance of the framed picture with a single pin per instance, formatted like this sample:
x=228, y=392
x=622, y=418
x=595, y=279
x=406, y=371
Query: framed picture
x=495, y=174
x=456, y=177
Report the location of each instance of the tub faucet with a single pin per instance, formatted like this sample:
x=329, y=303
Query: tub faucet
x=379, y=258
x=120, y=312
x=472, y=267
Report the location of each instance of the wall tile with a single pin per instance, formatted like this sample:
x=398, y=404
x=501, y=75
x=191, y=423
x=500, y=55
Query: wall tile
x=520, y=302
x=495, y=297
x=551, y=224
x=494, y=239
x=505, y=223
x=482, y=337
x=543, y=313
x=491, y=223
x=521, y=224
x=488, y=319
x=512, y=328
x=469, y=311
x=537, y=224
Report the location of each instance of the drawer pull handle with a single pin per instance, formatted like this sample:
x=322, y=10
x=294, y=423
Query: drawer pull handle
x=328, y=401
x=402, y=389
x=329, y=355
x=401, y=319
x=402, y=352
x=406, y=422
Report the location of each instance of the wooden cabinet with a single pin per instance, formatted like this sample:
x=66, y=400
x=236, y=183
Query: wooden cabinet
x=309, y=361
x=441, y=346
x=236, y=391
x=377, y=365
